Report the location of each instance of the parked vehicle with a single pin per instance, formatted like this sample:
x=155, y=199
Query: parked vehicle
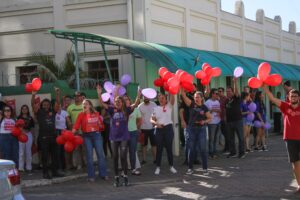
x=10, y=188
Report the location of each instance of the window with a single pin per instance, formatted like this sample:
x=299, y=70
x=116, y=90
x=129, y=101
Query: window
x=26, y=73
x=97, y=70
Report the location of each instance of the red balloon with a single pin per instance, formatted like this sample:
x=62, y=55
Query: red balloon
x=20, y=123
x=205, y=66
x=166, y=86
x=200, y=74
x=216, y=72
x=178, y=72
x=69, y=146
x=78, y=140
x=273, y=80
x=60, y=140
x=188, y=86
x=206, y=80
x=174, y=90
x=167, y=75
x=162, y=70
x=187, y=78
x=23, y=138
x=68, y=135
x=254, y=82
x=28, y=87
x=36, y=84
x=182, y=75
x=158, y=82
x=264, y=70
x=173, y=82
x=16, y=131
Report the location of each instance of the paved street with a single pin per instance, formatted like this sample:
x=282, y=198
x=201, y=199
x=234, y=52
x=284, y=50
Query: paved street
x=261, y=175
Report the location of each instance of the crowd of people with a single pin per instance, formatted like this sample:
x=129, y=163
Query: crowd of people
x=207, y=118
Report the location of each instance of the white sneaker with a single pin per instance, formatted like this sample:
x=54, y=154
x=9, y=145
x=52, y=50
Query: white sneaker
x=157, y=171
x=189, y=172
x=173, y=170
x=205, y=172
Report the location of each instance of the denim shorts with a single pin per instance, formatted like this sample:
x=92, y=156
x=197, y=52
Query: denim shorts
x=246, y=122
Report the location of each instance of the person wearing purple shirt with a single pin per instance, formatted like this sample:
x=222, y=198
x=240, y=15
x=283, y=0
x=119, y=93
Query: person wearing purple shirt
x=246, y=100
x=260, y=115
x=119, y=134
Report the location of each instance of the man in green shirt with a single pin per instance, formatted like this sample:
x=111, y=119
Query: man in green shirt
x=73, y=112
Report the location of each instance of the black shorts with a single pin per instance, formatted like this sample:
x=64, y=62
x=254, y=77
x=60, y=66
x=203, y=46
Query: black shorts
x=149, y=134
x=293, y=148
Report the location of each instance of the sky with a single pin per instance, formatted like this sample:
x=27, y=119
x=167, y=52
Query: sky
x=289, y=10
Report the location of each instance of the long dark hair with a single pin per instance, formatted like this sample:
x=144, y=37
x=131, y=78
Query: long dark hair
x=257, y=99
x=12, y=116
x=24, y=106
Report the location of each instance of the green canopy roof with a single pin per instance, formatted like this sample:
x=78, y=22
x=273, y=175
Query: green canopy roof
x=188, y=59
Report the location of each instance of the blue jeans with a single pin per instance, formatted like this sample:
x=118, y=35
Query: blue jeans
x=232, y=128
x=94, y=139
x=132, y=148
x=213, y=130
x=9, y=148
x=197, y=138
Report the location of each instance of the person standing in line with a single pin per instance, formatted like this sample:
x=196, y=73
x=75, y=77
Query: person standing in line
x=222, y=100
x=213, y=106
x=164, y=133
x=119, y=134
x=277, y=116
x=134, y=122
x=92, y=125
x=287, y=87
x=260, y=143
x=199, y=117
x=291, y=133
x=234, y=120
x=45, y=116
x=73, y=111
x=246, y=123
x=146, y=109
x=25, y=155
x=61, y=121
x=9, y=146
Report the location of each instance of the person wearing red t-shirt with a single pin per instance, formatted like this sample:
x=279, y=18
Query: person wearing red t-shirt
x=91, y=124
x=291, y=115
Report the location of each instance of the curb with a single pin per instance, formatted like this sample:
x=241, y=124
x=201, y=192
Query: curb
x=44, y=182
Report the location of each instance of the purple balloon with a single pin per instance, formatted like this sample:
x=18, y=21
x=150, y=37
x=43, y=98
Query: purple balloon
x=250, y=117
x=257, y=124
x=111, y=98
x=238, y=72
x=252, y=107
x=108, y=86
x=149, y=93
x=267, y=126
x=125, y=79
x=121, y=91
x=105, y=97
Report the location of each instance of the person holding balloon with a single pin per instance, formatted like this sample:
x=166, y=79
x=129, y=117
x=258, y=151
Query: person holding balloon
x=45, y=115
x=199, y=118
x=91, y=124
x=9, y=146
x=291, y=135
x=164, y=134
x=25, y=148
x=248, y=117
x=119, y=134
x=261, y=117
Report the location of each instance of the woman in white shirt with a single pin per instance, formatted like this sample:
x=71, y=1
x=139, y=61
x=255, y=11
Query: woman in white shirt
x=164, y=134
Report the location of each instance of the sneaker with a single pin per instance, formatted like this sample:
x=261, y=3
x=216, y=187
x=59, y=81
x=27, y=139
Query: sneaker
x=105, y=178
x=117, y=181
x=136, y=172
x=79, y=167
x=243, y=155
x=205, y=172
x=232, y=155
x=264, y=148
x=157, y=171
x=173, y=170
x=91, y=180
x=126, y=182
x=190, y=171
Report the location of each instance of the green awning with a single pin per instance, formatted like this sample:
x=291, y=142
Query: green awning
x=184, y=58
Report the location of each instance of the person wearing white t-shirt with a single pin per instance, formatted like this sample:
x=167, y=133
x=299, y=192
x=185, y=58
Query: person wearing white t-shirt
x=61, y=121
x=146, y=109
x=164, y=134
x=213, y=106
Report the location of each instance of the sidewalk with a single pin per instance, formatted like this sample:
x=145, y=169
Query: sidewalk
x=255, y=164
